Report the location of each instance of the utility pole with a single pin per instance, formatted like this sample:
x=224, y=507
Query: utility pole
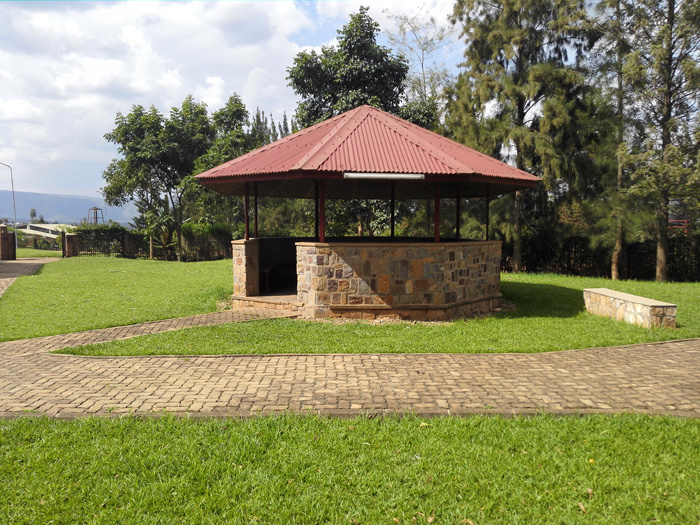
x=14, y=208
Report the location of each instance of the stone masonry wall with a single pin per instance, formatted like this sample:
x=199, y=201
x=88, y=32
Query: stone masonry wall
x=407, y=279
x=246, y=268
x=641, y=311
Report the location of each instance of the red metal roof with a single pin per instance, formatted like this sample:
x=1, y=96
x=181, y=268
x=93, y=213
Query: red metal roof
x=365, y=140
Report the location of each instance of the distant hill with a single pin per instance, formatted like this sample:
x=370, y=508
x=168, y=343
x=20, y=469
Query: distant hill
x=60, y=208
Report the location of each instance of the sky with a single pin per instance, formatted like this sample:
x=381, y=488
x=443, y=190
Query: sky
x=67, y=68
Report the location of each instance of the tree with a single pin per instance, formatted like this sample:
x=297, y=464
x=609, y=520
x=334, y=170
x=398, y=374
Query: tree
x=32, y=214
x=420, y=37
x=664, y=69
x=516, y=97
x=358, y=71
x=135, y=175
x=610, y=56
x=158, y=156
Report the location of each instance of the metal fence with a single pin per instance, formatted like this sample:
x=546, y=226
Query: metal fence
x=574, y=256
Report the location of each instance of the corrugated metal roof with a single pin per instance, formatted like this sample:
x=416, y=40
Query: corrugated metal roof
x=365, y=140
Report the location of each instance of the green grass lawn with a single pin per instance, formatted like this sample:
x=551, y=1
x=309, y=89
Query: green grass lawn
x=550, y=316
x=83, y=293
x=297, y=469
x=24, y=253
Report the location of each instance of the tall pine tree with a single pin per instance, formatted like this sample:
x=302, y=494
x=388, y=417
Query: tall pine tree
x=664, y=68
x=517, y=92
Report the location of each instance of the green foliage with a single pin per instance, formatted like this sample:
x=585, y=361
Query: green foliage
x=358, y=71
x=304, y=469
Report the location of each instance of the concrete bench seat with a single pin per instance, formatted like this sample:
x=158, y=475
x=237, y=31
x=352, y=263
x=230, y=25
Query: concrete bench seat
x=633, y=309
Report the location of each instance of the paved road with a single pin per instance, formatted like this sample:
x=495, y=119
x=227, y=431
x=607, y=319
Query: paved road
x=649, y=378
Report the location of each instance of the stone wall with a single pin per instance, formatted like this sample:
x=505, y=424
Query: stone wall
x=7, y=244
x=633, y=309
x=408, y=280
x=246, y=268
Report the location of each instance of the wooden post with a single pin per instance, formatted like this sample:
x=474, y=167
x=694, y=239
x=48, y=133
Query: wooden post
x=255, y=190
x=246, y=210
x=437, y=211
x=393, y=207
x=322, y=211
x=458, y=208
x=488, y=201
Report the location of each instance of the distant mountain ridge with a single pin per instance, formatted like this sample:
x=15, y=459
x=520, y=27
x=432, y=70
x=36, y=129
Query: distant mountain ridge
x=67, y=209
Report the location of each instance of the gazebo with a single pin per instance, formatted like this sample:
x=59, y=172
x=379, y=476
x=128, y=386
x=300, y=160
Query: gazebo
x=367, y=153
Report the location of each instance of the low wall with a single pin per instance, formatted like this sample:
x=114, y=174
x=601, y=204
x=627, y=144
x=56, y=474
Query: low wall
x=422, y=281
x=633, y=309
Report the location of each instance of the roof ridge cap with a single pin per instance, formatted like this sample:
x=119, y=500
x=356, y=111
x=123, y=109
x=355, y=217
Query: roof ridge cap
x=352, y=120
x=404, y=130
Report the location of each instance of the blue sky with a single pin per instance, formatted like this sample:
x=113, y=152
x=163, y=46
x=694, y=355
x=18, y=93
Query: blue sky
x=67, y=68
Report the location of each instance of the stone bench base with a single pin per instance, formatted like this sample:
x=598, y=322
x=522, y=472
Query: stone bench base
x=633, y=309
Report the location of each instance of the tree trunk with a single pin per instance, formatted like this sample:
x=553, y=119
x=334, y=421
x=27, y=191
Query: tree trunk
x=619, y=230
x=150, y=247
x=666, y=124
x=617, y=257
x=662, y=237
x=517, y=233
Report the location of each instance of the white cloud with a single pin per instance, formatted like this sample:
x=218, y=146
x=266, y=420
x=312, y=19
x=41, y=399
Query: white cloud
x=67, y=68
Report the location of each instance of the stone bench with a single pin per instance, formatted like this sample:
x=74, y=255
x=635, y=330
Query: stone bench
x=633, y=309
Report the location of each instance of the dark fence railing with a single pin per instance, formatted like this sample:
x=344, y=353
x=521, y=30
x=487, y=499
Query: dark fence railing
x=118, y=242
x=101, y=241
x=574, y=256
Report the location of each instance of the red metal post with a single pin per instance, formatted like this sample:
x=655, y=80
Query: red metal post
x=256, y=208
x=246, y=210
x=316, y=209
x=458, y=207
x=488, y=201
x=393, y=207
x=437, y=211
x=322, y=211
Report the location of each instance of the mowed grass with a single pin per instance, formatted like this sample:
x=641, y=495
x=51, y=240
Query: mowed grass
x=83, y=293
x=549, y=315
x=26, y=253
x=304, y=469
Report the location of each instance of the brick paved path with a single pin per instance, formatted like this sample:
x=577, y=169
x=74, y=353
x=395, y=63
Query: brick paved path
x=652, y=378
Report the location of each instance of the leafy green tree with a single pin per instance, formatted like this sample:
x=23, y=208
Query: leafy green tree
x=516, y=96
x=135, y=175
x=663, y=67
x=187, y=135
x=358, y=71
x=157, y=157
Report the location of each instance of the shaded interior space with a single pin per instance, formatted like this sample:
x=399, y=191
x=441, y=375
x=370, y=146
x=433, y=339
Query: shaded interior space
x=278, y=265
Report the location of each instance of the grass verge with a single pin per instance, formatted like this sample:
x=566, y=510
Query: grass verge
x=550, y=316
x=83, y=293
x=25, y=253
x=296, y=469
